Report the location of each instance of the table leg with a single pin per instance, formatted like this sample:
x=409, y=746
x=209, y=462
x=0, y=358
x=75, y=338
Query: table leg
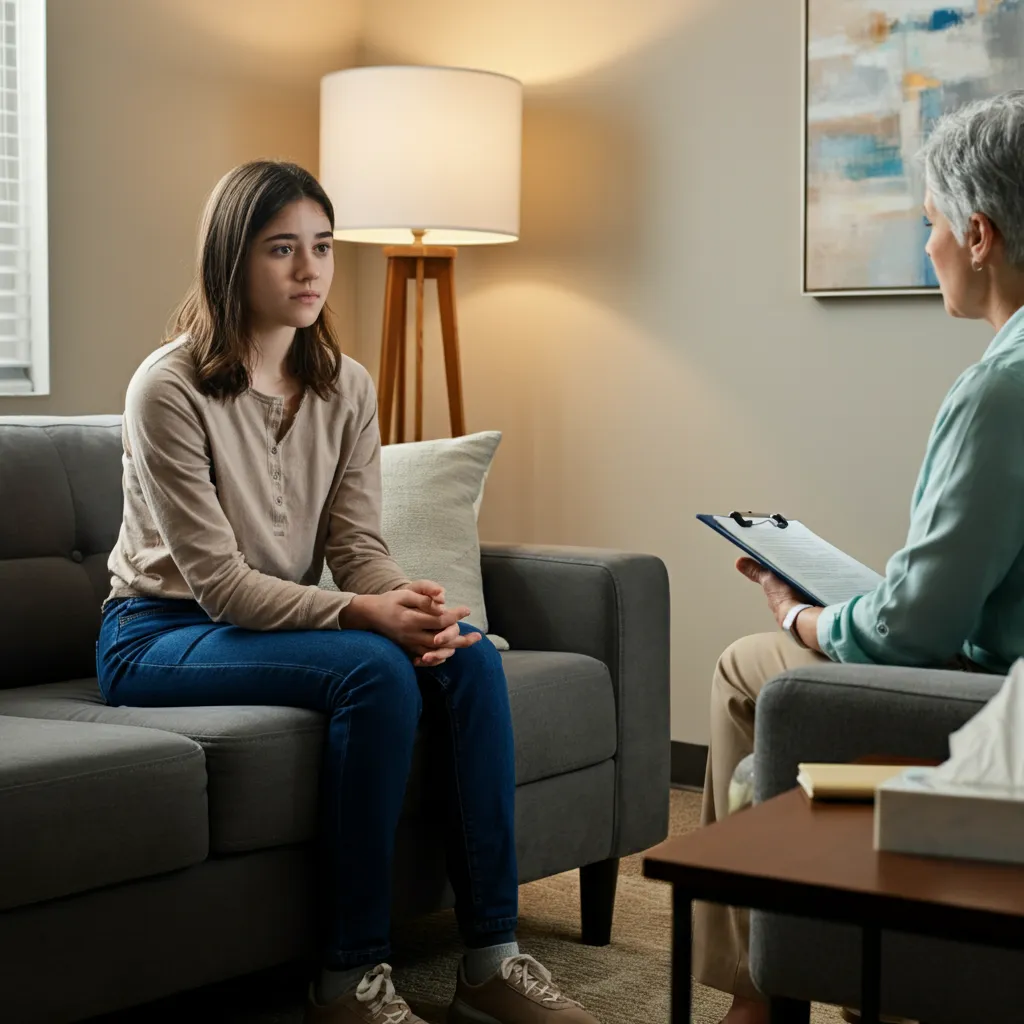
x=788, y=1011
x=682, y=951
x=870, y=975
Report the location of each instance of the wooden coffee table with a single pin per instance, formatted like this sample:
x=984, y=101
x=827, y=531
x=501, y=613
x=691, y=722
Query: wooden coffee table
x=817, y=860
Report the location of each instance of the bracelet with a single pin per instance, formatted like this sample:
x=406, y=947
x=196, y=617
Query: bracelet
x=789, y=625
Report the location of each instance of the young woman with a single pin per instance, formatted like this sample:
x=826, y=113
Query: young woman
x=251, y=453
x=954, y=595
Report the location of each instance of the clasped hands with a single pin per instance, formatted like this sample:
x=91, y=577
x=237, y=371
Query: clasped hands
x=414, y=617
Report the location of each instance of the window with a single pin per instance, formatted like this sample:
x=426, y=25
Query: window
x=24, y=287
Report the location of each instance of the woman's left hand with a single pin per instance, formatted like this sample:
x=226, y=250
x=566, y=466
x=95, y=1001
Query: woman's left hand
x=781, y=596
x=448, y=640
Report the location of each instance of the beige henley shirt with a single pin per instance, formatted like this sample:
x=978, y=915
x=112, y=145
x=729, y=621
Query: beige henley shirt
x=216, y=509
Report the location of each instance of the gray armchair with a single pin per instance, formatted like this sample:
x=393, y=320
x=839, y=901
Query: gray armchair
x=838, y=713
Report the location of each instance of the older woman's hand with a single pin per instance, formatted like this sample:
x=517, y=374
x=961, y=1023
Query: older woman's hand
x=781, y=597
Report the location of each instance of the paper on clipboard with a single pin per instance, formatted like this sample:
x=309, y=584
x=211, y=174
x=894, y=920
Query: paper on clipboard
x=801, y=557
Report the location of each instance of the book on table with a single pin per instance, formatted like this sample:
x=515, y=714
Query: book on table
x=844, y=781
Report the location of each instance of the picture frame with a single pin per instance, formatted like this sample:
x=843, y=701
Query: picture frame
x=876, y=76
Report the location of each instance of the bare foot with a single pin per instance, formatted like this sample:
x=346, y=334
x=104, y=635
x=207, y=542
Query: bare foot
x=746, y=1011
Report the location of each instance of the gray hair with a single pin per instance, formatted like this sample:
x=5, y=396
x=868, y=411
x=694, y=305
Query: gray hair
x=974, y=162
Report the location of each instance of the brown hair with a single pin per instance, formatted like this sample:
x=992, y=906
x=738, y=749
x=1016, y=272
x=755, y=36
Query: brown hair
x=214, y=312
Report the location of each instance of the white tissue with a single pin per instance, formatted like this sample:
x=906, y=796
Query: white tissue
x=989, y=749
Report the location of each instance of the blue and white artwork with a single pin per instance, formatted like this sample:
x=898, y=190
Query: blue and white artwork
x=879, y=73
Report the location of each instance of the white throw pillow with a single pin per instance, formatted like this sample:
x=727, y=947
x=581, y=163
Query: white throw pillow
x=432, y=491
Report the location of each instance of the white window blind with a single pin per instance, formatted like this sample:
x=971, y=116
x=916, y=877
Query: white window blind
x=24, y=291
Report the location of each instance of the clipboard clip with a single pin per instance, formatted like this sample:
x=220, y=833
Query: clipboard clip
x=775, y=518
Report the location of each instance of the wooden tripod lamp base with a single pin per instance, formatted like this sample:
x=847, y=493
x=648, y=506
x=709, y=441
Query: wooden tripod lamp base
x=417, y=263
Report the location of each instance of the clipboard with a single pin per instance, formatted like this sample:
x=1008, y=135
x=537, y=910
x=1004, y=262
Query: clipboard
x=851, y=578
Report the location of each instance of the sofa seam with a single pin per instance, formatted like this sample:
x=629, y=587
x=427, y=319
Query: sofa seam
x=128, y=769
x=306, y=730
x=254, y=740
x=566, y=769
x=620, y=709
x=44, y=429
x=246, y=741
x=58, y=426
x=67, y=479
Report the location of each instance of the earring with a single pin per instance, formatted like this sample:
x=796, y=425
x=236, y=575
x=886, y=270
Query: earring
x=977, y=267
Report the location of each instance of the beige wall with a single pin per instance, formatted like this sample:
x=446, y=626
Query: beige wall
x=644, y=346
x=149, y=103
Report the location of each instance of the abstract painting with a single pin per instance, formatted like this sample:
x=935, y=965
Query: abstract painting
x=878, y=75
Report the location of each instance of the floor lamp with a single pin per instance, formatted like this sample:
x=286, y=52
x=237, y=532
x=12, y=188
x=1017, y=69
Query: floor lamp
x=421, y=160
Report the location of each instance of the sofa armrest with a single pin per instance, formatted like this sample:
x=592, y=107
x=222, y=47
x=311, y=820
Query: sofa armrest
x=832, y=712
x=614, y=607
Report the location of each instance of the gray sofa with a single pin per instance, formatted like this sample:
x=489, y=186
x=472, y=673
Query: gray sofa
x=838, y=713
x=146, y=851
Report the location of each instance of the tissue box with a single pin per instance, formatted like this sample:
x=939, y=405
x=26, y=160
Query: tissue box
x=916, y=813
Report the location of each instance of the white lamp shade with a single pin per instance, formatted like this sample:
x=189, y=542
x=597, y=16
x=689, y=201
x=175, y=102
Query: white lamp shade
x=424, y=148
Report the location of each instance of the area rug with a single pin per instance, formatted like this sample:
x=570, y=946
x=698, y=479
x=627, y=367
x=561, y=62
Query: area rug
x=626, y=982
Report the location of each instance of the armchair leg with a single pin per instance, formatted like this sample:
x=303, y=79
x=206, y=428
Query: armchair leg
x=597, y=900
x=788, y=1011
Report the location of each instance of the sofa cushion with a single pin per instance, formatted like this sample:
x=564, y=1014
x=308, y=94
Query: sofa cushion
x=263, y=762
x=60, y=480
x=563, y=712
x=83, y=806
x=563, y=717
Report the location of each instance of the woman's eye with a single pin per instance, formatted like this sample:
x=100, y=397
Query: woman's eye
x=324, y=248
x=282, y=250
x=928, y=223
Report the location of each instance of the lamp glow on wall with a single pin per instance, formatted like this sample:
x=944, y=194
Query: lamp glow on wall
x=421, y=160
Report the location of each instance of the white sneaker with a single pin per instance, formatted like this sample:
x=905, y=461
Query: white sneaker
x=372, y=1001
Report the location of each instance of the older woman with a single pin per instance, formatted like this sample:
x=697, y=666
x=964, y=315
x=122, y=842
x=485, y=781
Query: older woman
x=954, y=595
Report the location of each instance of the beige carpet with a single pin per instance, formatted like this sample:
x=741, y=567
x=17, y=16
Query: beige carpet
x=624, y=983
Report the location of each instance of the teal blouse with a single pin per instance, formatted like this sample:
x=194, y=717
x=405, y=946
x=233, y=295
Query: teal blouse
x=957, y=585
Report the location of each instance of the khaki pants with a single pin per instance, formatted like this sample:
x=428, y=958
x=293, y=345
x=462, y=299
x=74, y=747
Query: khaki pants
x=721, y=934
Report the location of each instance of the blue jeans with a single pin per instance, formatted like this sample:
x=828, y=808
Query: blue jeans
x=158, y=653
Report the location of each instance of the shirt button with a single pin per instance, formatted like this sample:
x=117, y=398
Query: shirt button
x=279, y=500
x=277, y=475
x=77, y=556
x=273, y=451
